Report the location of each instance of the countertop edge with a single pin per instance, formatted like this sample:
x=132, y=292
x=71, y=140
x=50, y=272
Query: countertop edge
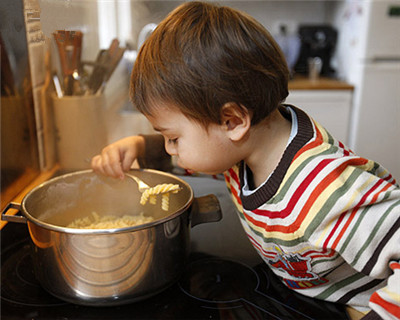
x=323, y=83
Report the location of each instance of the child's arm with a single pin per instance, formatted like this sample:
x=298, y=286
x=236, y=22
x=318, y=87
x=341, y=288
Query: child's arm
x=118, y=157
x=373, y=249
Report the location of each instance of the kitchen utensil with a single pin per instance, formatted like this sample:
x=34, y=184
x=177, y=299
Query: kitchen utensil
x=69, y=44
x=99, y=71
x=109, y=266
x=115, y=58
x=141, y=184
x=104, y=66
x=57, y=86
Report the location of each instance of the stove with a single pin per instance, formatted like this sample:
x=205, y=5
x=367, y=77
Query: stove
x=210, y=288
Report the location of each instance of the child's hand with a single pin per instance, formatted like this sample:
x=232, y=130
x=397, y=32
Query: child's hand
x=118, y=157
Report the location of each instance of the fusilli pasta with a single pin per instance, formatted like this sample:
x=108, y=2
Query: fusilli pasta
x=109, y=222
x=164, y=189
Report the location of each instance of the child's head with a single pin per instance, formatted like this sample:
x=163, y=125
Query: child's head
x=203, y=56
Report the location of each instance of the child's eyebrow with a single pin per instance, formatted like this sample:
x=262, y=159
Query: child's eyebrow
x=159, y=129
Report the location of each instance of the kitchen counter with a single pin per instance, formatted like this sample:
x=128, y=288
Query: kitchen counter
x=327, y=100
x=44, y=176
x=323, y=83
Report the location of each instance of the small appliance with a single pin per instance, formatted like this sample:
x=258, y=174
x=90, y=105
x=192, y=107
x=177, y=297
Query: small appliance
x=316, y=41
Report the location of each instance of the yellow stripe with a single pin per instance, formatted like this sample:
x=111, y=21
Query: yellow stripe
x=302, y=284
x=392, y=295
x=316, y=207
x=320, y=201
x=324, y=134
x=348, y=205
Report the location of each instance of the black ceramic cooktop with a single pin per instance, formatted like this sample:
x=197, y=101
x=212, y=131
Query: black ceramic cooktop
x=210, y=288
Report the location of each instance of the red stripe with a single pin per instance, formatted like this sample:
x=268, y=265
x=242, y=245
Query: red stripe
x=390, y=179
x=234, y=176
x=268, y=254
x=388, y=306
x=311, y=253
x=231, y=187
x=318, y=141
x=330, y=254
x=394, y=265
x=296, y=195
x=373, y=200
x=314, y=195
x=352, y=215
x=319, y=254
x=235, y=194
x=343, y=147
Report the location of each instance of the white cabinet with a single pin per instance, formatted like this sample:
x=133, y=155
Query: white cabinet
x=331, y=108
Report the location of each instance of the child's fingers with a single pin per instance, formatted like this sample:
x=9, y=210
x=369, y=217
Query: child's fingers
x=111, y=165
x=95, y=163
x=127, y=160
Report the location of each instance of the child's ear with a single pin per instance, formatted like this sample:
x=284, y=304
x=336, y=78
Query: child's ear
x=236, y=120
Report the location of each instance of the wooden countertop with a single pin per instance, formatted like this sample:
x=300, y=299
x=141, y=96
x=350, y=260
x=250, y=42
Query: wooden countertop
x=323, y=83
x=44, y=176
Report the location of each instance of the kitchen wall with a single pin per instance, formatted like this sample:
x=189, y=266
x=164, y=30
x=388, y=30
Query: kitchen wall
x=270, y=13
x=103, y=20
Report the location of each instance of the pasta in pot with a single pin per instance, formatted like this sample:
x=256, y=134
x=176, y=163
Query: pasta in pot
x=94, y=221
x=163, y=189
x=109, y=221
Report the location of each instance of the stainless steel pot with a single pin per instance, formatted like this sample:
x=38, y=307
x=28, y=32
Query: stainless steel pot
x=101, y=267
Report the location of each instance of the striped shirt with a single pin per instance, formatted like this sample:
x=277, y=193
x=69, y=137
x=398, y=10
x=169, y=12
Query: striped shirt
x=326, y=221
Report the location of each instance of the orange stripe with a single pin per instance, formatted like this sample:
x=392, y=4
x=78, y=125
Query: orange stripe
x=232, y=189
x=388, y=306
x=235, y=194
x=318, y=141
x=353, y=214
x=313, y=197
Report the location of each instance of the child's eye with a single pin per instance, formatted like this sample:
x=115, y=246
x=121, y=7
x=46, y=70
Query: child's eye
x=173, y=141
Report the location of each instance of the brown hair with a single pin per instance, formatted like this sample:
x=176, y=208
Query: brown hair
x=202, y=56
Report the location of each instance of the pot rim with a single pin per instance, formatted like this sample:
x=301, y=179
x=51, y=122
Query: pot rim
x=61, y=229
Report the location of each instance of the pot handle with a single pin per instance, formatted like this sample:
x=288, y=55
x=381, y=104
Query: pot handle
x=12, y=218
x=205, y=209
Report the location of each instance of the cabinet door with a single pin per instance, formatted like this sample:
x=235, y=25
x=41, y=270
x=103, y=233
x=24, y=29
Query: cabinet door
x=331, y=108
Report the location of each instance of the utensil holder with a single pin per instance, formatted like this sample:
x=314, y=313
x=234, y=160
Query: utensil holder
x=80, y=129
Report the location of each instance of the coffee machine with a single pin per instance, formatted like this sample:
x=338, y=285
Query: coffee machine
x=316, y=41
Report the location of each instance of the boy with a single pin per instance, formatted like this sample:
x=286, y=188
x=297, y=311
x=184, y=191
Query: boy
x=212, y=81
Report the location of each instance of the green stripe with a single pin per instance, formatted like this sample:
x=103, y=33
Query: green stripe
x=353, y=231
x=374, y=232
x=331, y=140
x=298, y=171
x=315, y=223
x=357, y=225
x=338, y=285
x=316, y=262
x=336, y=196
